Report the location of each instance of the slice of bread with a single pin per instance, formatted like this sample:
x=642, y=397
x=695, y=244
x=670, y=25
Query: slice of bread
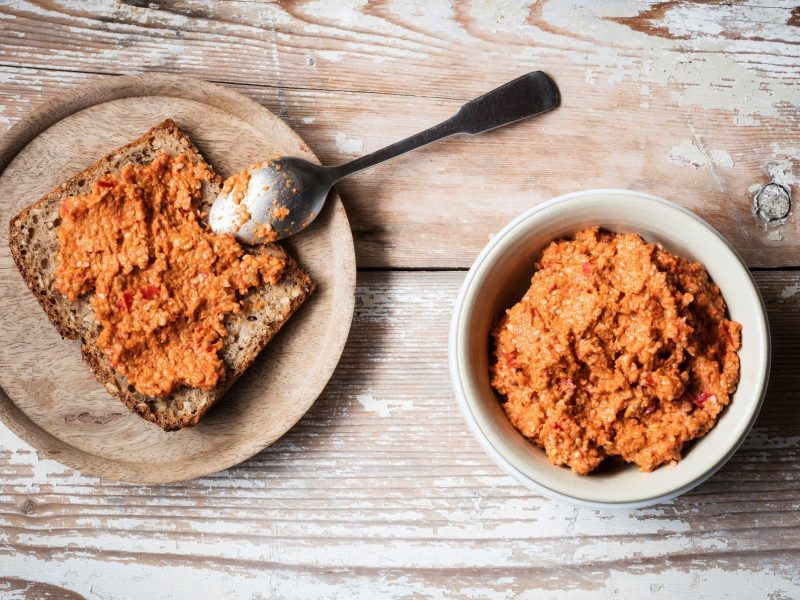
x=34, y=246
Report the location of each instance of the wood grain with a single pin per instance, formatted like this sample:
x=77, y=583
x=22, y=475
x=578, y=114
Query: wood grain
x=381, y=491
x=49, y=397
x=11, y=587
x=693, y=102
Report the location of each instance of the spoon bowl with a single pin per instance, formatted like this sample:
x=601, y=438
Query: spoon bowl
x=283, y=197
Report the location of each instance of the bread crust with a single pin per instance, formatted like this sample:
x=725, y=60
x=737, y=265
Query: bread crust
x=32, y=241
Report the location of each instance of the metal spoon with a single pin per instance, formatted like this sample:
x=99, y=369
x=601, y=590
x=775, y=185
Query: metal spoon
x=280, y=197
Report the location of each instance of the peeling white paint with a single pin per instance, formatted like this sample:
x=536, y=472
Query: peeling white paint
x=775, y=235
x=348, y=145
x=790, y=291
x=745, y=120
x=706, y=71
x=687, y=153
x=383, y=408
x=309, y=120
x=331, y=55
x=110, y=580
x=506, y=16
x=645, y=92
x=708, y=583
x=5, y=121
x=703, y=69
x=762, y=439
x=662, y=545
x=787, y=151
x=782, y=171
x=43, y=470
x=437, y=17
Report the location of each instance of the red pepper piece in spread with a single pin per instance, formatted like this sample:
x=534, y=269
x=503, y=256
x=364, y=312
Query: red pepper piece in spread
x=125, y=301
x=150, y=291
x=510, y=358
x=701, y=398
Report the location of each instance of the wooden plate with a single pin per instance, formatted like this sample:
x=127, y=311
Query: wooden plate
x=47, y=394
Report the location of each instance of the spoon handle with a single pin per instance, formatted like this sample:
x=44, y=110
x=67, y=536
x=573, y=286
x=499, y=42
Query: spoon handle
x=526, y=96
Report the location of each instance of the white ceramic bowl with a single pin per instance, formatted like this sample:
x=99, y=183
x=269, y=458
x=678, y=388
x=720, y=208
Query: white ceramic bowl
x=501, y=275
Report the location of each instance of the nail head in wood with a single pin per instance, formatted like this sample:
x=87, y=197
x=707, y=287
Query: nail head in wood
x=772, y=203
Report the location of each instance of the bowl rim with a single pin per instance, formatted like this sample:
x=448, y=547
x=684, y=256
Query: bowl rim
x=456, y=326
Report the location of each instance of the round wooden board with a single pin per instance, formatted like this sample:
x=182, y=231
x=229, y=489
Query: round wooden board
x=47, y=394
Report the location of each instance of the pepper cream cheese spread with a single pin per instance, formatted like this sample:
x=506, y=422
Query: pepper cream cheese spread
x=618, y=348
x=162, y=282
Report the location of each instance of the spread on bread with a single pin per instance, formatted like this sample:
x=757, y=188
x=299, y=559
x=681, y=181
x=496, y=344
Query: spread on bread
x=238, y=184
x=619, y=348
x=162, y=282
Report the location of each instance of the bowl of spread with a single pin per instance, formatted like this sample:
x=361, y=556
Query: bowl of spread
x=610, y=349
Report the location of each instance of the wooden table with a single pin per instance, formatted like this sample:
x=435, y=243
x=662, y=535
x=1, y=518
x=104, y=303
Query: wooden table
x=380, y=490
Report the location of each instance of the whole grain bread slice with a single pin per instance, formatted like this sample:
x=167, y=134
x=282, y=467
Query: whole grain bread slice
x=34, y=246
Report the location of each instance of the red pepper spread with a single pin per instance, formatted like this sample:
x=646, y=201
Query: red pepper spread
x=618, y=348
x=162, y=281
